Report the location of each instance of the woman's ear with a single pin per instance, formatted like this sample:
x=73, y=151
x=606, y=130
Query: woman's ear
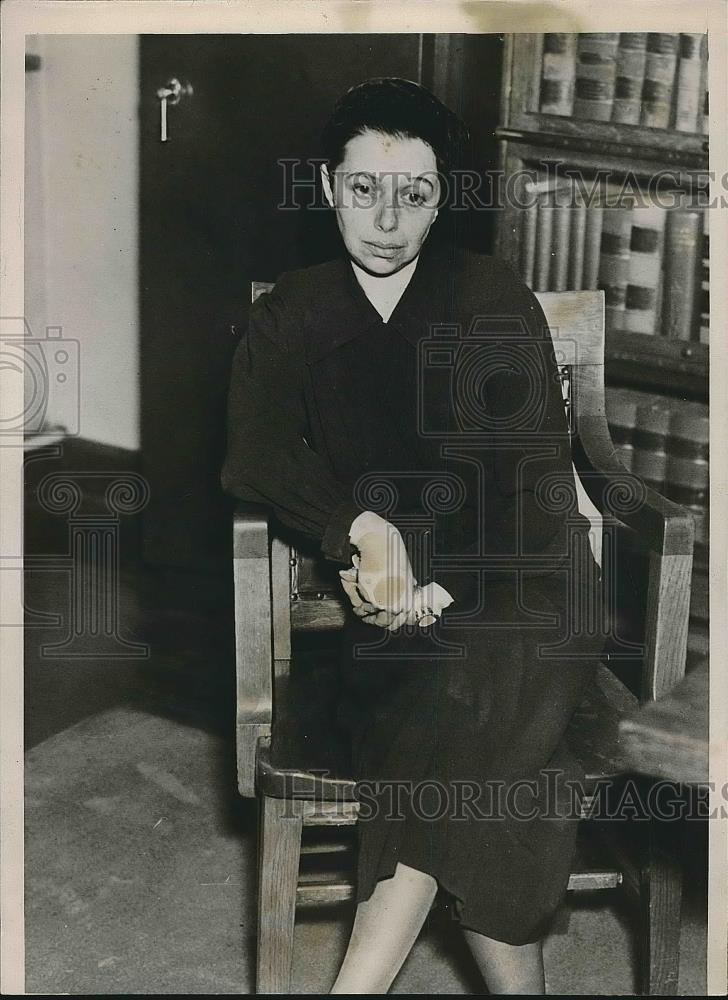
x=326, y=183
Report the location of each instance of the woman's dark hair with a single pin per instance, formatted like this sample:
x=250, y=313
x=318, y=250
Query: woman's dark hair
x=396, y=107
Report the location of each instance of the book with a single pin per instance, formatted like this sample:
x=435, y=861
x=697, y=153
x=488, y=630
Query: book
x=703, y=123
x=577, y=238
x=544, y=231
x=689, y=84
x=529, y=220
x=687, y=483
x=643, y=272
x=652, y=424
x=657, y=89
x=630, y=75
x=596, y=70
x=560, y=227
x=702, y=528
x=682, y=268
x=690, y=431
x=536, y=229
x=687, y=471
x=592, y=247
x=621, y=407
x=666, y=442
x=704, y=291
x=558, y=70
x=614, y=262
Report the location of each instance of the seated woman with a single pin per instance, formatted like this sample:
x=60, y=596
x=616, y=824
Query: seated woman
x=401, y=406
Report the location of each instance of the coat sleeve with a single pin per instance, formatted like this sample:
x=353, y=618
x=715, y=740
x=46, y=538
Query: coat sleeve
x=529, y=477
x=267, y=459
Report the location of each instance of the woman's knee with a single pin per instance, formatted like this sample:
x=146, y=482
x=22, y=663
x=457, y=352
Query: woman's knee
x=415, y=878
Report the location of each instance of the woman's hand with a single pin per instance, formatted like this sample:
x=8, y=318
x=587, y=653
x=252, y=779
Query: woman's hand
x=368, y=612
x=381, y=585
x=427, y=604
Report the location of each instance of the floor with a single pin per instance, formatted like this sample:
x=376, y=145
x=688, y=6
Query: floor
x=140, y=855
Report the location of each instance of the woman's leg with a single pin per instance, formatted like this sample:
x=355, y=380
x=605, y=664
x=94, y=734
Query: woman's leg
x=508, y=968
x=385, y=927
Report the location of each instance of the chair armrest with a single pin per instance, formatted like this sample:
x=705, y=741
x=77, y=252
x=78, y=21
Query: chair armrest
x=253, y=641
x=668, y=529
x=251, y=520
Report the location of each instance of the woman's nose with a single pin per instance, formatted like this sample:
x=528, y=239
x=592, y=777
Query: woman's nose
x=387, y=218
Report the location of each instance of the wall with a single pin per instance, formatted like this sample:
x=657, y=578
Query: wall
x=82, y=142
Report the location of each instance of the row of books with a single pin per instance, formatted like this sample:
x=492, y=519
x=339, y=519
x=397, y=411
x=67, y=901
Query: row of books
x=665, y=441
x=655, y=79
x=651, y=261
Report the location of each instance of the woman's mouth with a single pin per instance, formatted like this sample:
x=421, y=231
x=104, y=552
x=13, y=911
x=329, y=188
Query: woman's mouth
x=386, y=250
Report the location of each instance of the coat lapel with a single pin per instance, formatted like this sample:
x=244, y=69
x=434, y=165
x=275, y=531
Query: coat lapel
x=346, y=313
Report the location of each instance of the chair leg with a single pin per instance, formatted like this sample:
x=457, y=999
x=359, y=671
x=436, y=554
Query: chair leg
x=279, y=852
x=661, y=911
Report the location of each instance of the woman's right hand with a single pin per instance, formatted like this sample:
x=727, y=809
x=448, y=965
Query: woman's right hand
x=428, y=604
x=368, y=612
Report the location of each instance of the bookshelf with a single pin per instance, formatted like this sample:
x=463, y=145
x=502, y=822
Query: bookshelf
x=539, y=150
x=603, y=158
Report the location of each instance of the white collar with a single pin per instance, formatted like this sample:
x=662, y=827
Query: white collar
x=385, y=292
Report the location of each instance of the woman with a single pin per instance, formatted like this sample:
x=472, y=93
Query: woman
x=401, y=405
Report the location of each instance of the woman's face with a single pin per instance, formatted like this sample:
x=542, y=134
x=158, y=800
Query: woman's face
x=385, y=193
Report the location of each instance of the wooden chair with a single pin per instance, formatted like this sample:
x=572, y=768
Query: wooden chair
x=281, y=591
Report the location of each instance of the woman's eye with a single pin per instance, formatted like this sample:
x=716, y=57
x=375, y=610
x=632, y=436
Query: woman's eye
x=414, y=198
x=362, y=187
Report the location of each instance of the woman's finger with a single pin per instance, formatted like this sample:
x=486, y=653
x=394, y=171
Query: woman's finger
x=351, y=591
x=375, y=617
x=362, y=609
x=398, y=621
x=433, y=596
x=365, y=610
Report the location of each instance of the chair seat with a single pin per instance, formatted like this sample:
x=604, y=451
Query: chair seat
x=308, y=760
x=314, y=784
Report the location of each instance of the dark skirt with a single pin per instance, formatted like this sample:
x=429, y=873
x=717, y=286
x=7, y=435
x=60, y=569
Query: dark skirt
x=457, y=735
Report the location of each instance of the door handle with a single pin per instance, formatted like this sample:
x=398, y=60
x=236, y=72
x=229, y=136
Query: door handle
x=170, y=94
